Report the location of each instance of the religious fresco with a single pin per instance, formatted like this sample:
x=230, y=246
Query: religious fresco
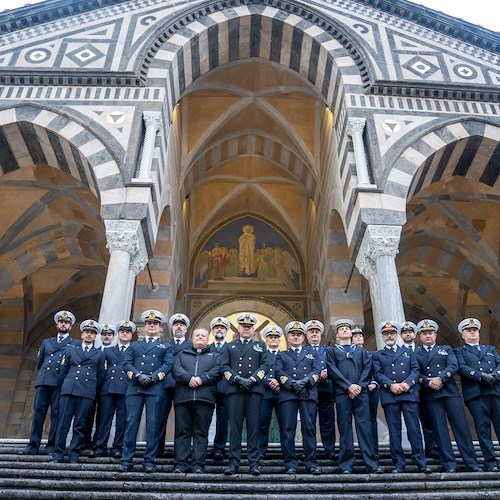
x=247, y=252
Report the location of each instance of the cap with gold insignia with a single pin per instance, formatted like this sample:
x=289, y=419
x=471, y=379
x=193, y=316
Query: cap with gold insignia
x=469, y=323
x=90, y=324
x=152, y=315
x=66, y=315
x=246, y=319
x=126, y=325
x=220, y=321
x=108, y=328
x=342, y=322
x=386, y=326
x=178, y=318
x=408, y=326
x=295, y=326
x=314, y=323
x=427, y=324
x=272, y=330
x=357, y=330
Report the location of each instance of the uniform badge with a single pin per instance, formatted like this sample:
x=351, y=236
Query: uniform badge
x=261, y=374
x=257, y=347
x=161, y=346
x=309, y=356
x=315, y=377
x=63, y=360
x=448, y=374
x=161, y=375
x=442, y=352
x=420, y=380
x=130, y=374
x=472, y=372
x=105, y=364
x=283, y=379
x=405, y=354
x=227, y=375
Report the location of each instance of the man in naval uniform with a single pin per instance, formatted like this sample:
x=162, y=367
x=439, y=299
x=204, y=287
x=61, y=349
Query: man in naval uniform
x=83, y=371
x=479, y=369
x=113, y=392
x=272, y=336
x=396, y=371
x=439, y=398
x=219, y=327
x=147, y=362
x=298, y=370
x=48, y=382
x=244, y=365
x=178, y=324
x=350, y=368
x=326, y=407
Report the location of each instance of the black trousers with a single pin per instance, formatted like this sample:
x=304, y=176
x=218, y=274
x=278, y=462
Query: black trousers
x=192, y=421
x=221, y=424
x=108, y=406
x=244, y=407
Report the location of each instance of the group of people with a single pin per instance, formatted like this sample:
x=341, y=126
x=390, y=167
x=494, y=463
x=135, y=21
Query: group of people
x=247, y=379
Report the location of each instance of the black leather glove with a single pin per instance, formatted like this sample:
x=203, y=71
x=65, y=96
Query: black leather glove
x=143, y=380
x=243, y=383
x=253, y=381
x=303, y=393
x=302, y=384
x=488, y=379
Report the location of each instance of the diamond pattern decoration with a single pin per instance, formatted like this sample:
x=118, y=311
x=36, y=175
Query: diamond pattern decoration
x=85, y=55
x=421, y=67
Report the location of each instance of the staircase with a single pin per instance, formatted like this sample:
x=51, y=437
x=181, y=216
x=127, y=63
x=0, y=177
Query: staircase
x=35, y=477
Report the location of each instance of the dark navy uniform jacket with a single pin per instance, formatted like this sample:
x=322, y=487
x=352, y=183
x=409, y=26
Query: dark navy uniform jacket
x=247, y=361
x=116, y=381
x=290, y=366
x=49, y=359
x=169, y=382
x=150, y=358
x=268, y=393
x=222, y=384
x=83, y=372
x=322, y=385
x=354, y=368
x=472, y=363
x=393, y=367
x=440, y=362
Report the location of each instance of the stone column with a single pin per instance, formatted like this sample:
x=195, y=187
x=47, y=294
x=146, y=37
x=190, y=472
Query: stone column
x=376, y=261
x=355, y=128
x=152, y=120
x=128, y=256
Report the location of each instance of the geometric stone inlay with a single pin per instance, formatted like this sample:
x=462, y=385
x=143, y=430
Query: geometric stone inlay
x=391, y=126
x=464, y=71
x=420, y=66
x=37, y=56
x=116, y=117
x=85, y=55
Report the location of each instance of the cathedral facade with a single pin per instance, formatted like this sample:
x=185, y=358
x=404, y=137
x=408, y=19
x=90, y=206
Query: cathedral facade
x=297, y=160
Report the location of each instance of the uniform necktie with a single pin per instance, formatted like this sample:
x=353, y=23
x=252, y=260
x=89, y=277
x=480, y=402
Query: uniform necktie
x=60, y=338
x=297, y=351
x=217, y=345
x=315, y=347
x=274, y=352
x=245, y=342
x=122, y=348
x=87, y=348
x=428, y=348
x=177, y=342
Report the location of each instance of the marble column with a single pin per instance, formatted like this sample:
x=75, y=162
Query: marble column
x=152, y=120
x=128, y=256
x=355, y=128
x=376, y=261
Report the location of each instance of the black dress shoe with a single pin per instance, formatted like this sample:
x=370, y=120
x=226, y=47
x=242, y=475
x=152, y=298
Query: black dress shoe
x=232, y=469
x=255, y=470
x=197, y=470
x=491, y=468
x=316, y=471
x=347, y=471
x=116, y=453
x=432, y=454
x=378, y=470
x=397, y=470
x=26, y=452
x=291, y=470
x=425, y=470
x=179, y=470
x=218, y=456
x=98, y=453
x=124, y=468
x=474, y=469
x=450, y=471
x=149, y=467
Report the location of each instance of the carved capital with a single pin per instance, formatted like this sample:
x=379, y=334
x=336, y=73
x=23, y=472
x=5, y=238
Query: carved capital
x=127, y=235
x=152, y=119
x=355, y=125
x=377, y=241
